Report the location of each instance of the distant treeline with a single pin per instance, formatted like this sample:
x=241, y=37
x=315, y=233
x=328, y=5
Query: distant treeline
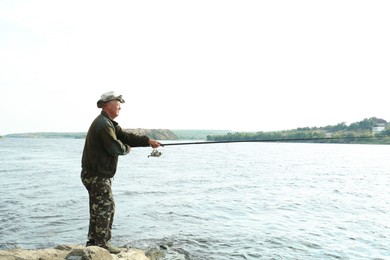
x=358, y=132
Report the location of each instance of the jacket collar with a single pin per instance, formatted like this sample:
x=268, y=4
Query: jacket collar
x=106, y=115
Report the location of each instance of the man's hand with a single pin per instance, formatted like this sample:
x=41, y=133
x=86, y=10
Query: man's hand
x=154, y=143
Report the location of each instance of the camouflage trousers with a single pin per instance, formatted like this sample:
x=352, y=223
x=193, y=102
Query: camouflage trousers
x=101, y=208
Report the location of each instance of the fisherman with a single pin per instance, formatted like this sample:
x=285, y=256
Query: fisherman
x=104, y=142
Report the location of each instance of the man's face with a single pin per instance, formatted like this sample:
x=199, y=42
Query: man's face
x=113, y=108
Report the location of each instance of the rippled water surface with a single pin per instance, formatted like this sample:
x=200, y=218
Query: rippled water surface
x=220, y=201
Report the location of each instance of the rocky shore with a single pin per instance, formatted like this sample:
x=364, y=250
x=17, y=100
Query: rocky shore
x=74, y=252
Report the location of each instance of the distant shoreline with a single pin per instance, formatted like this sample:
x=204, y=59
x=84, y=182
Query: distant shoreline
x=368, y=131
x=381, y=140
x=158, y=134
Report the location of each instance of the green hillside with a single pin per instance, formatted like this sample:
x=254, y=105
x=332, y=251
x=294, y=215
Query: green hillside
x=370, y=130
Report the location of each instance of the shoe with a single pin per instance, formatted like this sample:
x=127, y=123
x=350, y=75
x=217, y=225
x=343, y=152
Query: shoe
x=90, y=243
x=112, y=249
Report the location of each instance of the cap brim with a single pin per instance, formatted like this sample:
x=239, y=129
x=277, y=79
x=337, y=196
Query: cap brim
x=101, y=102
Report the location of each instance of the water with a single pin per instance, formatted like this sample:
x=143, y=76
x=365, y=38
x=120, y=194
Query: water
x=222, y=201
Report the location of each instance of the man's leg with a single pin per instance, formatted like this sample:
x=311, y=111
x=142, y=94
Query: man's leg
x=101, y=209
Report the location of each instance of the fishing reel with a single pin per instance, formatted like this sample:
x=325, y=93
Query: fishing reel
x=155, y=153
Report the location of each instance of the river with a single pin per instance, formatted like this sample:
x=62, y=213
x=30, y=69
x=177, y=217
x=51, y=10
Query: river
x=219, y=201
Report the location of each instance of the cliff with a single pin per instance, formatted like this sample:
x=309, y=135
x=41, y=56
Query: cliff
x=157, y=134
x=73, y=252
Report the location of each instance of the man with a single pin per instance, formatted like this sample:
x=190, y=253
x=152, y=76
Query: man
x=104, y=142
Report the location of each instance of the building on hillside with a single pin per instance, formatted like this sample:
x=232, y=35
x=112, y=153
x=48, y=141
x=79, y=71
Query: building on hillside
x=378, y=128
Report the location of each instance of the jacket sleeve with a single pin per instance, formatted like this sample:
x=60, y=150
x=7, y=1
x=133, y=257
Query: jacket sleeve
x=131, y=139
x=111, y=143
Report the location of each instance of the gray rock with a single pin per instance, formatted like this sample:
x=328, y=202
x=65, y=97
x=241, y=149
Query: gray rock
x=89, y=253
x=71, y=252
x=10, y=257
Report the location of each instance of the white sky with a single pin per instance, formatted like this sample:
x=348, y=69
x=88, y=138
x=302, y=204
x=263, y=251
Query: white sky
x=235, y=65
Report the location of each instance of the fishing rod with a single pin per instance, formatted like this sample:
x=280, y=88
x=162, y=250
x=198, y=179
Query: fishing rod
x=156, y=153
x=269, y=140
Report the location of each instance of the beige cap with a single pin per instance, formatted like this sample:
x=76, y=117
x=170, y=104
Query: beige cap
x=108, y=96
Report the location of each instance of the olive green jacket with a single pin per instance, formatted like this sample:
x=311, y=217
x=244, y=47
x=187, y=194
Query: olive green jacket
x=104, y=142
